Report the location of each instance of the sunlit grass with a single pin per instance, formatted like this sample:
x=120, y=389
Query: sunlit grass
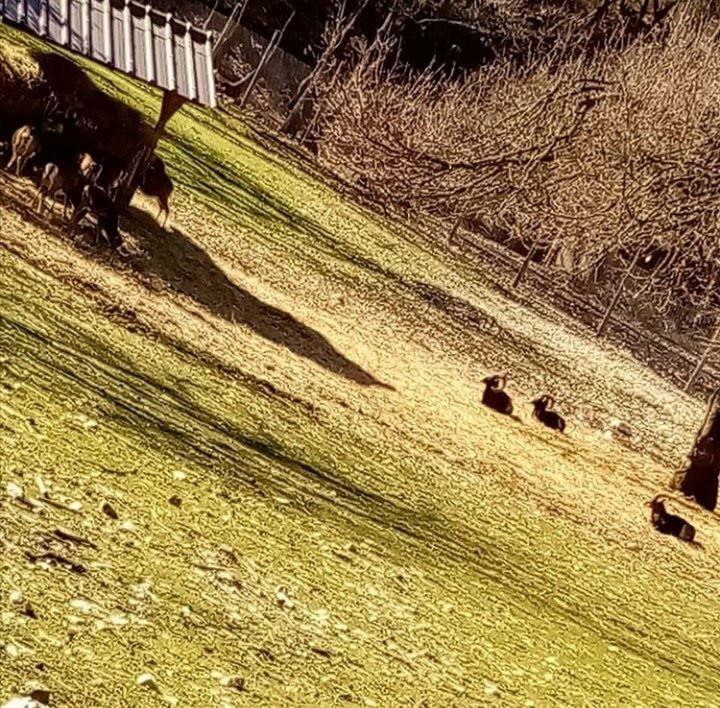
x=432, y=554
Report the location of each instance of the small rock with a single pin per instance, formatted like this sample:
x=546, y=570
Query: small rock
x=14, y=651
x=175, y=501
x=23, y=702
x=143, y=591
x=228, y=551
x=148, y=681
x=42, y=487
x=15, y=491
x=490, y=689
x=82, y=605
x=321, y=615
x=283, y=598
x=620, y=428
x=179, y=475
x=128, y=526
x=109, y=511
x=235, y=682
x=85, y=422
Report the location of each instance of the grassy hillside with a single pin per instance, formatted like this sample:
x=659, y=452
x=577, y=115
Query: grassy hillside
x=278, y=398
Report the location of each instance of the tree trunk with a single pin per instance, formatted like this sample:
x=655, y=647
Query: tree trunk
x=306, y=88
x=264, y=59
x=700, y=478
x=227, y=31
x=525, y=265
x=172, y=102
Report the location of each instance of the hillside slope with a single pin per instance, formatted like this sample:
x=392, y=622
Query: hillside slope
x=278, y=398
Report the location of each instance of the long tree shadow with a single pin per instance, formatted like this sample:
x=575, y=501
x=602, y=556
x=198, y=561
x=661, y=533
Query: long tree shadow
x=188, y=269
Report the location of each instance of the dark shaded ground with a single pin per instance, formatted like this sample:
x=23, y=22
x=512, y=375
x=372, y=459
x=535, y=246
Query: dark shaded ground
x=188, y=269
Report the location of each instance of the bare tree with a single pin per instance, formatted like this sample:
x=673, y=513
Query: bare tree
x=232, y=22
x=337, y=36
x=253, y=77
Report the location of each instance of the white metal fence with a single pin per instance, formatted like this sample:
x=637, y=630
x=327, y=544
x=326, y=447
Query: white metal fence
x=127, y=36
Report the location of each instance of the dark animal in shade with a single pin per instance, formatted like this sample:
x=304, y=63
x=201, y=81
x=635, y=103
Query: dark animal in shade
x=156, y=183
x=667, y=523
x=494, y=395
x=95, y=200
x=549, y=418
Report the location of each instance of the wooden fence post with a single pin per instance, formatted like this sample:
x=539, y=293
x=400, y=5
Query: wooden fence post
x=618, y=292
x=525, y=265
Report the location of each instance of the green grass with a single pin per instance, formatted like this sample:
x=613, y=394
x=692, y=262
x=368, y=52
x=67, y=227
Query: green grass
x=433, y=556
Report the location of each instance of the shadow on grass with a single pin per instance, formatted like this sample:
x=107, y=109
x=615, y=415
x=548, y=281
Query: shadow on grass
x=79, y=364
x=74, y=364
x=188, y=269
x=240, y=197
